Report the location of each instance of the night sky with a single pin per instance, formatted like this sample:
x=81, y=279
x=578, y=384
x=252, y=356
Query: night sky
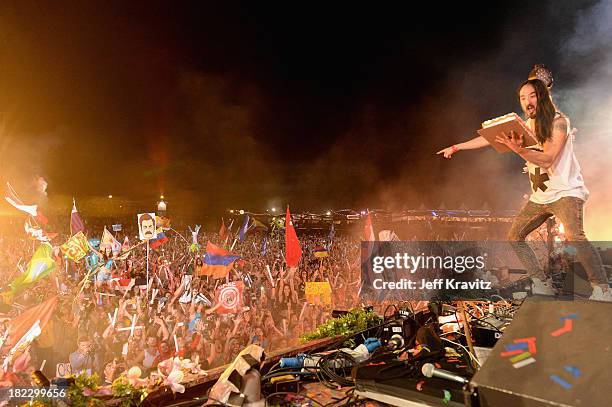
x=258, y=105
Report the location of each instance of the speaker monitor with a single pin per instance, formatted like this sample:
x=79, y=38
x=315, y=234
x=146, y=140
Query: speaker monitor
x=571, y=363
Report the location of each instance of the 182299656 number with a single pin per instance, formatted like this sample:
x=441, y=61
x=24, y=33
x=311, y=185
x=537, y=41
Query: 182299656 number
x=28, y=393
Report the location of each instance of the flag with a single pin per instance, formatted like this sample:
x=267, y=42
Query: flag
x=330, y=238
x=109, y=241
x=264, y=246
x=31, y=210
x=278, y=223
x=76, y=247
x=218, y=266
x=76, y=224
x=36, y=233
x=244, y=228
x=222, y=231
x=259, y=225
x=229, y=237
x=293, y=251
x=367, y=249
x=21, y=324
x=39, y=267
x=368, y=230
x=16, y=351
x=159, y=240
x=126, y=244
x=320, y=252
x=229, y=297
x=216, y=250
x=388, y=236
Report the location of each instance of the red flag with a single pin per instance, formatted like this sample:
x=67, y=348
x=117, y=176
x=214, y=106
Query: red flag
x=229, y=297
x=368, y=230
x=222, y=231
x=20, y=325
x=293, y=251
x=216, y=250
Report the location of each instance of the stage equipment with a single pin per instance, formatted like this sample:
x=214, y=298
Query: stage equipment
x=555, y=353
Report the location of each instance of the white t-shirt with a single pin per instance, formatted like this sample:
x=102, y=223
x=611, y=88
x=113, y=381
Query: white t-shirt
x=562, y=179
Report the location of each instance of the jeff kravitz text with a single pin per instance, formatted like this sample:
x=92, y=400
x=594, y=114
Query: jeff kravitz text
x=435, y=284
x=404, y=262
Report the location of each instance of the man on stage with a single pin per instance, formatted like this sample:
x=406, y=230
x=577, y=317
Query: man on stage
x=557, y=187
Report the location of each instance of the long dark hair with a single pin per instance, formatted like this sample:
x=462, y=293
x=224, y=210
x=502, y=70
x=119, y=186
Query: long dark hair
x=545, y=110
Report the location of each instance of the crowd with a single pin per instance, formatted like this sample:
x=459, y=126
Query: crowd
x=110, y=320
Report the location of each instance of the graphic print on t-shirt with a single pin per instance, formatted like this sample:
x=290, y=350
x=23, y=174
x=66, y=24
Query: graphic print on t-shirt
x=538, y=180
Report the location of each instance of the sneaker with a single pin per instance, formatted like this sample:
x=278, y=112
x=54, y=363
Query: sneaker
x=598, y=294
x=540, y=287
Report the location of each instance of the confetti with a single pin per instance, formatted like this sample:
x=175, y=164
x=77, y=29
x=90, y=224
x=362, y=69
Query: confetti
x=560, y=381
x=520, y=357
x=523, y=363
x=515, y=346
x=573, y=370
x=567, y=327
x=531, y=342
x=511, y=353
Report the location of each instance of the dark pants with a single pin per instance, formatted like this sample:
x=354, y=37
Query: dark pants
x=569, y=211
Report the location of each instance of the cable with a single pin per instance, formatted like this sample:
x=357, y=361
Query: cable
x=502, y=298
x=349, y=396
x=277, y=364
x=464, y=348
x=387, y=308
x=278, y=374
x=336, y=361
x=274, y=369
x=483, y=321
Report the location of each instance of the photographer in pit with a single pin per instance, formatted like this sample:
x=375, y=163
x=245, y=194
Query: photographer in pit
x=85, y=358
